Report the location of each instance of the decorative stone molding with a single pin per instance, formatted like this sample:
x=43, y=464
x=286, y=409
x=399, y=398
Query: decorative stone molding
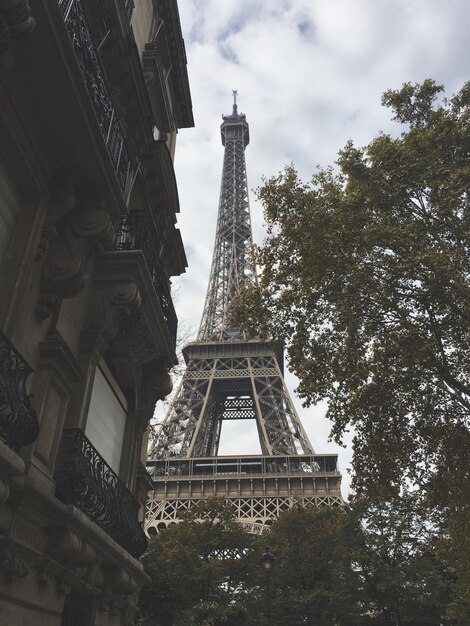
x=17, y=14
x=156, y=385
x=110, y=304
x=80, y=234
x=147, y=332
x=63, y=585
x=142, y=344
x=107, y=603
x=47, y=576
x=15, y=22
x=4, y=492
x=14, y=564
x=63, y=200
x=69, y=548
x=128, y=613
x=118, y=580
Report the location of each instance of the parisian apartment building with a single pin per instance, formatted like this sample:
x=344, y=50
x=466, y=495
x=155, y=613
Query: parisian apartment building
x=92, y=96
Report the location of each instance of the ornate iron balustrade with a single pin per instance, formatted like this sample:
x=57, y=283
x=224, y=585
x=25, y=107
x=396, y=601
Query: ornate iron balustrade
x=136, y=231
x=87, y=481
x=87, y=56
x=19, y=424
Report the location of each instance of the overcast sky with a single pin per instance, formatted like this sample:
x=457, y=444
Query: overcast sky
x=310, y=75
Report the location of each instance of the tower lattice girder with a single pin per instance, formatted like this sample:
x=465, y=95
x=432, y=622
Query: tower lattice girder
x=217, y=386
x=229, y=377
x=232, y=262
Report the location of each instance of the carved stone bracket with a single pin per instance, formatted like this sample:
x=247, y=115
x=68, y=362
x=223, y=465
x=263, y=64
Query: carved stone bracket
x=110, y=304
x=119, y=581
x=80, y=233
x=156, y=385
x=4, y=491
x=14, y=563
x=63, y=585
x=46, y=575
x=128, y=613
x=69, y=548
x=142, y=344
x=105, y=603
x=15, y=21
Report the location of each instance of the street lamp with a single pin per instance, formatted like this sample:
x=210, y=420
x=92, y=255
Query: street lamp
x=267, y=563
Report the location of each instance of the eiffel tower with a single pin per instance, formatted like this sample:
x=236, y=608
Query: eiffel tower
x=232, y=377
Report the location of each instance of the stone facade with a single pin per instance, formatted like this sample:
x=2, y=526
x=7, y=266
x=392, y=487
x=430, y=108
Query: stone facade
x=92, y=94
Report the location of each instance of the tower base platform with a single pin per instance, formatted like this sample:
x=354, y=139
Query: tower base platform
x=258, y=488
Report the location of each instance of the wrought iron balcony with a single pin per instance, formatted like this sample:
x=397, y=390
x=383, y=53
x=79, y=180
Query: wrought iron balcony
x=19, y=424
x=85, y=480
x=85, y=49
x=136, y=231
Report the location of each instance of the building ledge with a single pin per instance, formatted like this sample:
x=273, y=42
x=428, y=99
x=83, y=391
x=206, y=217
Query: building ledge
x=152, y=338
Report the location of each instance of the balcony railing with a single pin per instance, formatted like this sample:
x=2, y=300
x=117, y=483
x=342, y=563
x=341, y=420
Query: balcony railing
x=87, y=56
x=251, y=466
x=136, y=231
x=19, y=424
x=85, y=480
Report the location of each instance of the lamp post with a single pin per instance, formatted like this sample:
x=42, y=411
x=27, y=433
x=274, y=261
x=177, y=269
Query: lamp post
x=267, y=563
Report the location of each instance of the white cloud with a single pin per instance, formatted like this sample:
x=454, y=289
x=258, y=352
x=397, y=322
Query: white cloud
x=310, y=75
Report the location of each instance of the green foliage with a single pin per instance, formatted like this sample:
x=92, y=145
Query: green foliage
x=358, y=565
x=365, y=279
x=313, y=580
x=397, y=558
x=190, y=584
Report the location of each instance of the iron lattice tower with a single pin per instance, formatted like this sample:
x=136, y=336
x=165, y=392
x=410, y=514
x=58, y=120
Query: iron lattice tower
x=231, y=377
x=232, y=261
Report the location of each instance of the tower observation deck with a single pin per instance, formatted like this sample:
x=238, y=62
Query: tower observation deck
x=231, y=377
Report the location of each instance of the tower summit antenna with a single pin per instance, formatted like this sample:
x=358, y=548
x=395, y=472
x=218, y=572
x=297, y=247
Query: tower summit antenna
x=235, y=94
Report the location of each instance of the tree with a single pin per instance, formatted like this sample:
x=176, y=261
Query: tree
x=365, y=279
x=313, y=580
x=191, y=582
x=356, y=565
x=362, y=564
x=398, y=560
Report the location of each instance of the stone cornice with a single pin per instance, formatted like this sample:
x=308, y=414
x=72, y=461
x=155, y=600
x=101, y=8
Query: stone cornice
x=150, y=338
x=54, y=514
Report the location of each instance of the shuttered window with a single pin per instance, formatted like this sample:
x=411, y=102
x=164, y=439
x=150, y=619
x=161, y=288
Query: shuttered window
x=107, y=417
